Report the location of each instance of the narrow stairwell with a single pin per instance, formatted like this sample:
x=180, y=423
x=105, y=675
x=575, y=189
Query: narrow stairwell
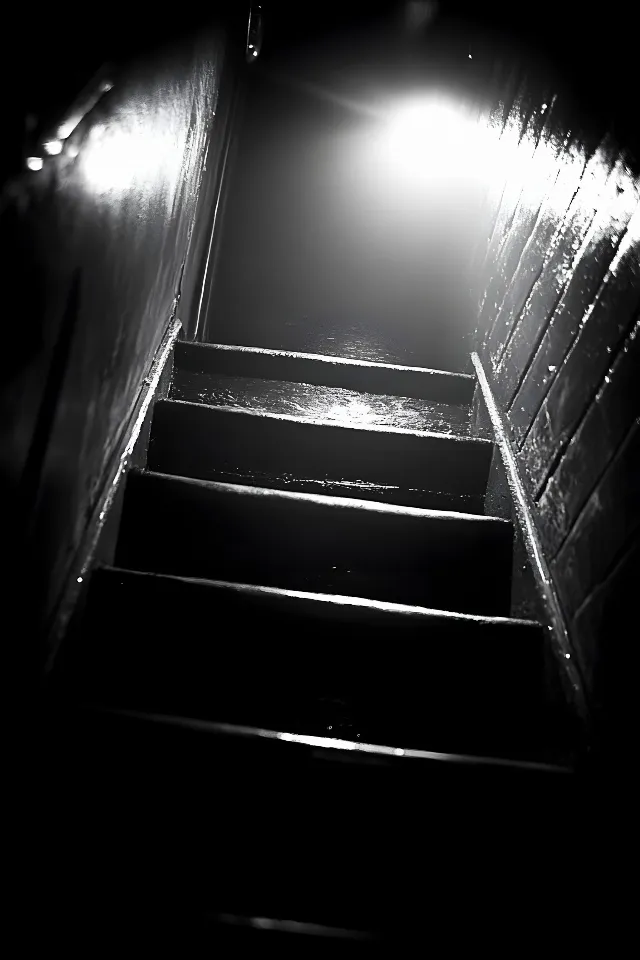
x=298, y=701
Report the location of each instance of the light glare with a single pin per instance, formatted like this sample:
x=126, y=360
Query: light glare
x=433, y=138
x=117, y=159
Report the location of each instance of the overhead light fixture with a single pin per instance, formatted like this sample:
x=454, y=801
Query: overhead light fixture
x=429, y=137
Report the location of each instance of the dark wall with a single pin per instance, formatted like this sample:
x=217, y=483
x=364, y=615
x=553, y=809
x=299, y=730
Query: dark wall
x=96, y=245
x=558, y=336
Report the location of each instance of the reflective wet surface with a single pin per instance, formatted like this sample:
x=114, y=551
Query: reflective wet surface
x=331, y=404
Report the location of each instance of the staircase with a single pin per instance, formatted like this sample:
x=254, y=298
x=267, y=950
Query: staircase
x=296, y=713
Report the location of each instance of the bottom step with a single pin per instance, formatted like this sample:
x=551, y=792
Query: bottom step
x=164, y=826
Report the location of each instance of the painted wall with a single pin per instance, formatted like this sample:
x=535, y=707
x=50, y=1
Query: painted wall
x=96, y=244
x=559, y=337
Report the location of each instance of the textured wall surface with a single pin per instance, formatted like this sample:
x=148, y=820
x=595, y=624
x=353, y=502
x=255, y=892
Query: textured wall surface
x=97, y=241
x=558, y=335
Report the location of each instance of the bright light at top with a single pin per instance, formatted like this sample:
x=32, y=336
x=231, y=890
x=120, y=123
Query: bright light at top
x=435, y=139
x=425, y=125
x=431, y=138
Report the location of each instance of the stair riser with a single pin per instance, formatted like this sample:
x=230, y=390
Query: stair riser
x=436, y=385
x=201, y=530
x=198, y=441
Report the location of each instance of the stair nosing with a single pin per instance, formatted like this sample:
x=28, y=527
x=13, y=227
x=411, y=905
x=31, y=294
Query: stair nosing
x=324, y=358
x=314, y=421
x=381, y=606
x=288, y=927
x=395, y=754
x=342, y=503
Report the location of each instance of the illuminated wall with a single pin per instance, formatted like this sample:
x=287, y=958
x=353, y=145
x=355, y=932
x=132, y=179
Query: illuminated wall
x=96, y=242
x=558, y=335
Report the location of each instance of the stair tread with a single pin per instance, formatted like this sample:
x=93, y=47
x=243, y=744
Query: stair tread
x=347, y=750
x=375, y=377
x=386, y=464
x=332, y=404
x=324, y=358
x=369, y=428
x=320, y=939
x=351, y=607
x=330, y=486
x=339, y=503
x=307, y=541
x=310, y=663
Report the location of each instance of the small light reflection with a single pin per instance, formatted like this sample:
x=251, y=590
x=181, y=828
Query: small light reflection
x=53, y=147
x=35, y=163
x=317, y=741
x=354, y=410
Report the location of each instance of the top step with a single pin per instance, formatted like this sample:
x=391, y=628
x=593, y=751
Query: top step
x=385, y=378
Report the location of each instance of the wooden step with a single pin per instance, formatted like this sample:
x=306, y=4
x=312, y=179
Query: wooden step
x=395, y=466
x=315, y=665
x=385, y=378
x=330, y=404
x=300, y=541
